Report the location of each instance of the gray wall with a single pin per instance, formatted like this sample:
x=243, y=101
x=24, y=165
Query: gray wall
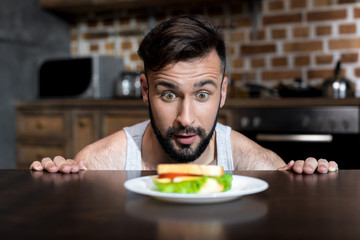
x=27, y=35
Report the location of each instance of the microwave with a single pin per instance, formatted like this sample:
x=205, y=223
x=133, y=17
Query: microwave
x=78, y=77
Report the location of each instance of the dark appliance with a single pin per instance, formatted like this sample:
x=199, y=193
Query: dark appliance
x=78, y=77
x=330, y=132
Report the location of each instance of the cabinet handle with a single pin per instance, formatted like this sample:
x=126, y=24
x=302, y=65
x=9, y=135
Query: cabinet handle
x=82, y=123
x=39, y=125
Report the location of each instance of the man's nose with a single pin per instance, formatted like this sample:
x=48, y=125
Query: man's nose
x=185, y=113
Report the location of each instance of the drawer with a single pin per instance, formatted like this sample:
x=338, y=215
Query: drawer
x=40, y=124
x=115, y=121
x=27, y=153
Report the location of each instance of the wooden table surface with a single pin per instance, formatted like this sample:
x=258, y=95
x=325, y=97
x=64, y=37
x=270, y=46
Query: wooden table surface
x=95, y=205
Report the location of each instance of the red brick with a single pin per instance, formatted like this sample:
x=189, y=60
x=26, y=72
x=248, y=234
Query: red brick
x=303, y=46
x=323, y=73
x=300, y=32
x=276, y=5
x=347, y=28
x=238, y=63
x=302, y=60
x=298, y=4
x=324, y=59
x=323, y=30
x=134, y=57
x=258, y=62
x=349, y=57
x=282, y=18
x=278, y=33
x=260, y=35
x=344, y=43
x=258, y=49
x=326, y=15
x=126, y=45
x=279, y=61
x=321, y=3
x=357, y=72
x=281, y=75
x=237, y=36
x=94, y=47
x=356, y=12
x=110, y=46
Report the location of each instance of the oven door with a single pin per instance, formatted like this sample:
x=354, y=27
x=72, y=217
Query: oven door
x=342, y=148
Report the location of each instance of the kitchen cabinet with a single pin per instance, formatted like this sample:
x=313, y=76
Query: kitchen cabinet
x=47, y=128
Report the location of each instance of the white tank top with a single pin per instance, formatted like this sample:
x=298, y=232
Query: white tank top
x=135, y=133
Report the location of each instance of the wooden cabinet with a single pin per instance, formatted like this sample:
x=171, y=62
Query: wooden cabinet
x=41, y=134
x=47, y=128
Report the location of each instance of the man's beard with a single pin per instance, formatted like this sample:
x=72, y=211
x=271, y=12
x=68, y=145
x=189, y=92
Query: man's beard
x=186, y=153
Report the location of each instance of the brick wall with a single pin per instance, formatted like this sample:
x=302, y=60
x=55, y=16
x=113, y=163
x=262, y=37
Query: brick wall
x=295, y=38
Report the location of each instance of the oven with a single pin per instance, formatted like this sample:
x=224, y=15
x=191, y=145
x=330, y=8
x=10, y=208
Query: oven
x=330, y=132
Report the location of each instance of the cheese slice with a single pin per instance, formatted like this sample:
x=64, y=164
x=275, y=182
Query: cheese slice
x=184, y=178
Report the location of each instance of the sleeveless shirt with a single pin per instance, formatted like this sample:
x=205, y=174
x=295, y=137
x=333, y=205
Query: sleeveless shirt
x=135, y=133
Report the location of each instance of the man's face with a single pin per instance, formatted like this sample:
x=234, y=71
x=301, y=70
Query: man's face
x=184, y=100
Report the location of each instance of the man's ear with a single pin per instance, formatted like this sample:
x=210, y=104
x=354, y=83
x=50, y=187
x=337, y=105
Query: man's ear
x=223, y=91
x=144, y=88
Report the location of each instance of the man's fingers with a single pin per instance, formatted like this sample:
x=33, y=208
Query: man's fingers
x=298, y=166
x=48, y=165
x=36, y=165
x=310, y=165
x=287, y=167
x=323, y=166
x=74, y=166
x=66, y=166
x=333, y=167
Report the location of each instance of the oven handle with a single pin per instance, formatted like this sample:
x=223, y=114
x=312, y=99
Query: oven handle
x=294, y=137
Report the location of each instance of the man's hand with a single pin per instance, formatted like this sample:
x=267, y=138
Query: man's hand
x=58, y=164
x=310, y=165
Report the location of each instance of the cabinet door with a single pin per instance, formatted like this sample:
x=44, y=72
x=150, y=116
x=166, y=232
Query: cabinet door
x=116, y=120
x=85, y=129
x=28, y=152
x=41, y=124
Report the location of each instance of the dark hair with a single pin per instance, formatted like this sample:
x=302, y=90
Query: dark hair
x=181, y=38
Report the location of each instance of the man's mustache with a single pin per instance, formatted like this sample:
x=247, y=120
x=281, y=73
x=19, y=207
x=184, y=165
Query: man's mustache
x=186, y=130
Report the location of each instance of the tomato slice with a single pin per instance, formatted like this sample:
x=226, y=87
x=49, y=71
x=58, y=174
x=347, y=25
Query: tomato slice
x=174, y=175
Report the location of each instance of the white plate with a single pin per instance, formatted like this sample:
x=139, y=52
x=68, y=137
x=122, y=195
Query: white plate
x=241, y=185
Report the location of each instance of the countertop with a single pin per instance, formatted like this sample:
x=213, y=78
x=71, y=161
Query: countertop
x=95, y=205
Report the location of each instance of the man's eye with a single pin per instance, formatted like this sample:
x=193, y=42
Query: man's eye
x=202, y=95
x=169, y=96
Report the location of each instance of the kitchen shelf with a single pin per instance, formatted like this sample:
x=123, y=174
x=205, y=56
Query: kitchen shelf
x=80, y=7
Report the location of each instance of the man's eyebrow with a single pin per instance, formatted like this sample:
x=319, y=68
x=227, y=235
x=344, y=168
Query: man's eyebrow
x=166, y=84
x=205, y=82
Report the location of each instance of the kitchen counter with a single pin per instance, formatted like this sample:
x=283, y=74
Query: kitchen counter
x=95, y=205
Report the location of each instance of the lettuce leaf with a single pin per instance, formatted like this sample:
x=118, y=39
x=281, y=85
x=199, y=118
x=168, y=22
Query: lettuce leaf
x=192, y=186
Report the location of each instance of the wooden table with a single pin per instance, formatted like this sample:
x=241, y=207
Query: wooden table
x=95, y=205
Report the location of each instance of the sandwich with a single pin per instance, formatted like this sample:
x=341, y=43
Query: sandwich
x=191, y=178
